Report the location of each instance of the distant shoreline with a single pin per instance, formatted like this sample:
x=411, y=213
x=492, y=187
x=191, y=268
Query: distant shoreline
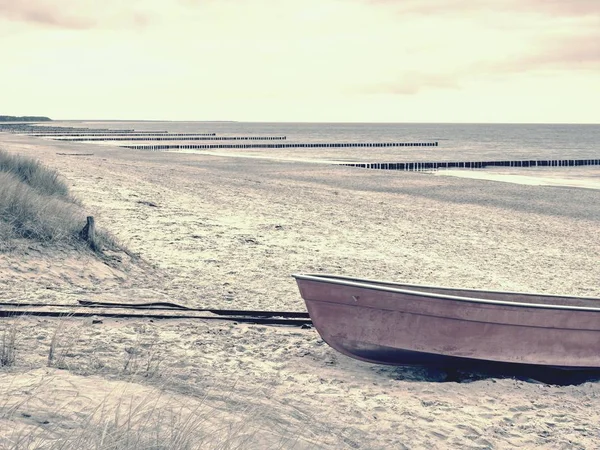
x=25, y=119
x=594, y=124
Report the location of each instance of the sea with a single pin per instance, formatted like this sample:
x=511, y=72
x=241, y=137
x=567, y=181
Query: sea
x=456, y=142
x=526, y=140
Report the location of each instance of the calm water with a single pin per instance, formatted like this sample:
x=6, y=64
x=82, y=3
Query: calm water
x=478, y=141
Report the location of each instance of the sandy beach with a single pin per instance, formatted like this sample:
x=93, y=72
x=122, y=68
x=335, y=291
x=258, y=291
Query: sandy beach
x=212, y=230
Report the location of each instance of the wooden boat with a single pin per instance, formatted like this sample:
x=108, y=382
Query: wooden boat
x=404, y=324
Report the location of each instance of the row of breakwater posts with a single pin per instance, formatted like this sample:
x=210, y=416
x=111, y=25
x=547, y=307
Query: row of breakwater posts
x=114, y=136
x=178, y=137
x=429, y=166
x=89, y=132
x=48, y=131
x=26, y=128
x=282, y=145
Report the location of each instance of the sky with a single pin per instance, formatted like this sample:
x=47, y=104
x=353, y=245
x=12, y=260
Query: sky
x=473, y=61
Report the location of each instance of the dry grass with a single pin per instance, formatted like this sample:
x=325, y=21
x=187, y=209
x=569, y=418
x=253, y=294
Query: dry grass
x=60, y=345
x=8, y=342
x=43, y=180
x=35, y=204
x=28, y=213
x=127, y=416
x=144, y=356
x=128, y=424
x=142, y=361
x=51, y=412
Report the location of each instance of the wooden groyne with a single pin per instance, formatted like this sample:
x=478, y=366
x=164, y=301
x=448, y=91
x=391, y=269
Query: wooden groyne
x=61, y=130
x=282, y=145
x=172, y=137
x=100, y=133
x=82, y=131
x=421, y=166
x=118, y=136
x=23, y=128
x=45, y=131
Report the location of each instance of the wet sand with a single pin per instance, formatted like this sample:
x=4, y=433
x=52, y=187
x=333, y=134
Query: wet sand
x=586, y=178
x=227, y=232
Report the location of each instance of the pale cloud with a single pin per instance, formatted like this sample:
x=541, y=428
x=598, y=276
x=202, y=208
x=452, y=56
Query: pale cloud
x=74, y=14
x=476, y=42
x=570, y=54
x=411, y=83
x=462, y=7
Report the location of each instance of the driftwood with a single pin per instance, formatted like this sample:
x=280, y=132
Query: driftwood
x=88, y=233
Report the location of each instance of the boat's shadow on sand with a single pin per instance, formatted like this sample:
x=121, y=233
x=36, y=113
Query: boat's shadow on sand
x=469, y=374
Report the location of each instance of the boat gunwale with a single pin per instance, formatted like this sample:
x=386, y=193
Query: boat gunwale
x=377, y=285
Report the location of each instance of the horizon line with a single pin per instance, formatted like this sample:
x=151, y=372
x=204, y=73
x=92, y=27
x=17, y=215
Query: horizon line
x=326, y=122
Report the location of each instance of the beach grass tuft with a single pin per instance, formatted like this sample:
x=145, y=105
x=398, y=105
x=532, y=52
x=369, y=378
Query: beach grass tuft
x=28, y=213
x=126, y=416
x=60, y=345
x=43, y=180
x=35, y=204
x=8, y=341
x=128, y=424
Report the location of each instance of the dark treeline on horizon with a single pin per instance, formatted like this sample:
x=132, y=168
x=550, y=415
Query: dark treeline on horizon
x=24, y=119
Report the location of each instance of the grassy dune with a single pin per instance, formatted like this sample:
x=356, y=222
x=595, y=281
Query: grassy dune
x=35, y=204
